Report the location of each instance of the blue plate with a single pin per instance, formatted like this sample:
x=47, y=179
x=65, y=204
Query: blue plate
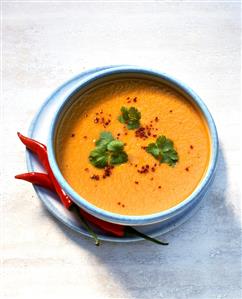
x=39, y=130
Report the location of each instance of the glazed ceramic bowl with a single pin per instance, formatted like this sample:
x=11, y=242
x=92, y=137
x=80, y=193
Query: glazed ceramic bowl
x=121, y=72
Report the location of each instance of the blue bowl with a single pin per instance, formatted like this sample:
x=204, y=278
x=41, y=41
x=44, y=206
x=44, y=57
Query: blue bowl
x=170, y=215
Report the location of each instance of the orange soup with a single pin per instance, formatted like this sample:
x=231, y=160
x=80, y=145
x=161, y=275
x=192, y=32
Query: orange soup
x=142, y=185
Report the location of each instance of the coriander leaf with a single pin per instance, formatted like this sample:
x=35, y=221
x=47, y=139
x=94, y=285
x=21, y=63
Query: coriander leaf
x=105, y=138
x=131, y=117
x=118, y=158
x=163, y=150
x=125, y=113
x=153, y=149
x=134, y=114
x=121, y=119
x=167, y=145
x=174, y=156
x=160, y=140
x=106, y=135
x=115, y=146
x=108, y=151
x=133, y=125
x=99, y=157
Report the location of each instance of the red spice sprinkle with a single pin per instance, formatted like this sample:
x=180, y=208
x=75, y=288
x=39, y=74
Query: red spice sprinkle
x=154, y=135
x=110, y=115
x=72, y=135
x=135, y=99
x=125, y=133
x=191, y=146
x=95, y=177
x=187, y=168
x=170, y=111
x=96, y=120
x=156, y=119
x=118, y=134
x=123, y=206
x=101, y=112
x=119, y=203
x=136, y=182
x=141, y=133
x=97, y=113
x=151, y=179
x=128, y=98
x=107, y=171
x=86, y=169
x=135, y=165
x=144, y=169
x=85, y=137
x=86, y=115
x=159, y=187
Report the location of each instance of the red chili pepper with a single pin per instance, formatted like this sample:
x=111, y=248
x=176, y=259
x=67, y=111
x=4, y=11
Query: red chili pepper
x=41, y=151
x=49, y=181
x=118, y=230
x=36, y=147
x=37, y=178
x=112, y=228
x=43, y=180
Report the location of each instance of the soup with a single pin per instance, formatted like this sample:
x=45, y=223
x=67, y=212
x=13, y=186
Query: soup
x=141, y=185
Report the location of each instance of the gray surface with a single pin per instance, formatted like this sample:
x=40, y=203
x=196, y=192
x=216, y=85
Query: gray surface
x=46, y=43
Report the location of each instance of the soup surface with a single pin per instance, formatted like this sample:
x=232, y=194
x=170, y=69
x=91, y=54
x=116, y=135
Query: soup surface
x=130, y=190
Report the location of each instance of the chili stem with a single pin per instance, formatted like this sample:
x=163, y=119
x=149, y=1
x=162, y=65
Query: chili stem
x=87, y=227
x=133, y=231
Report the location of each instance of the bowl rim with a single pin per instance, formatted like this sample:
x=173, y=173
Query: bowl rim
x=136, y=219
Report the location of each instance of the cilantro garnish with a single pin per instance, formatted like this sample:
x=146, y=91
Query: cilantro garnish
x=131, y=117
x=108, y=151
x=163, y=150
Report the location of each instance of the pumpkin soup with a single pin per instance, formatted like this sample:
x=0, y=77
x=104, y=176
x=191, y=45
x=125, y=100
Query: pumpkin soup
x=133, y=146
